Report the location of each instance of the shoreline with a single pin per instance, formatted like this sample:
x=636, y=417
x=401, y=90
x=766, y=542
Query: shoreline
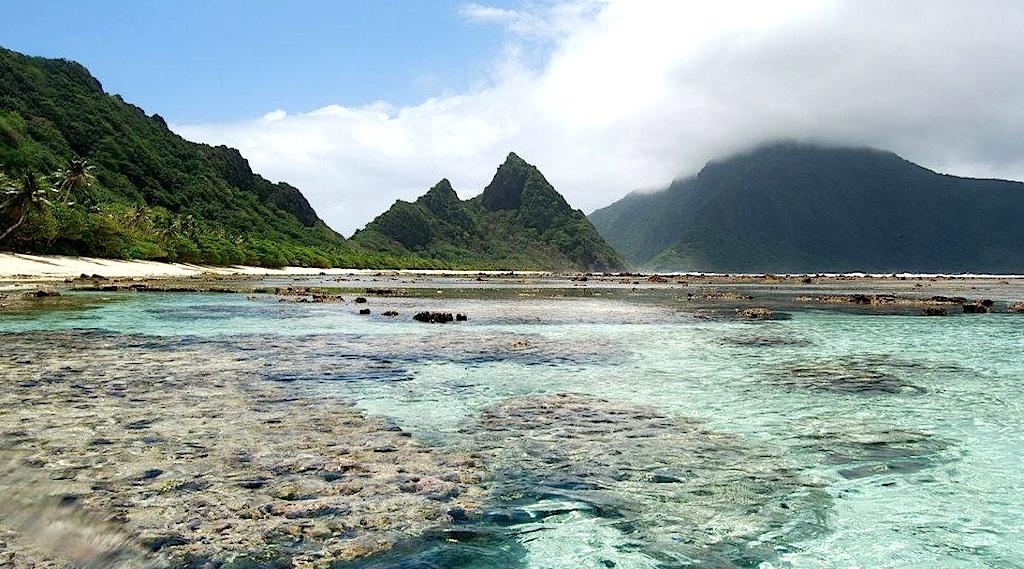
x=25, y=267
x=20, y=267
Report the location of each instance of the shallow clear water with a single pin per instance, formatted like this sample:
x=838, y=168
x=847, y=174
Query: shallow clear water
x=893, y=440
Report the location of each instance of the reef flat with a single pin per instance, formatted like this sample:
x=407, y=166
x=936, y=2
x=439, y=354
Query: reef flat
x=121, y=450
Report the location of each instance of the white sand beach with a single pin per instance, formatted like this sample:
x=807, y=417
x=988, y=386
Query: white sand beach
x=16, y=266
x=43, y=267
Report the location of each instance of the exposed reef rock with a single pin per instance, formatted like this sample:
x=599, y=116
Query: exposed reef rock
x=712, y=295
x=755, y=313
x=44, y=292
x=882, y=300
x=439, y=317
x=978, y=307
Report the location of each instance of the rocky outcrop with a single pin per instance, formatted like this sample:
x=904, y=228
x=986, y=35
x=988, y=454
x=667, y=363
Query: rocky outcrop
x=882, y=300
x=978, y=307
x=755, y=313
x=439, y=317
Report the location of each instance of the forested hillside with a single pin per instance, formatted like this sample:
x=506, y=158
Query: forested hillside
x=790, y=207
x=518, y=222
x=87, y=173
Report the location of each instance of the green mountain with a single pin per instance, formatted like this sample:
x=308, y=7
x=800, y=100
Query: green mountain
x=791, y=207
x=518, y=222
x=153, y=194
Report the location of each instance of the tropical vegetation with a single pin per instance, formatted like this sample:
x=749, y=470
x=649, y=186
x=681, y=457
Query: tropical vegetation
x=518, y=222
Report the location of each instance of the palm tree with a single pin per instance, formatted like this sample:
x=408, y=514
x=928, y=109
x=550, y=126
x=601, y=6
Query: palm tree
x=23, y=199
x=76, y=176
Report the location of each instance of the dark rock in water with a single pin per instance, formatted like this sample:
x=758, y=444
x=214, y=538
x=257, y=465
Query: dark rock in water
x=755, y=313
x=364, y=311
x=45, y=292
x=360, y=300
x=390, y=313
x=151, y=474
x=863, y=450
x=763, y=341
x=156, y=542
x=947, y=299
x=461, y=318
x=979, y=307
x=676, y=490
x=1017, y=307
x=666, y=477
x=934, y=311
x=435, y=317
x=315, y=511
x=881, y=300
x=457, y=514
x=253, y=484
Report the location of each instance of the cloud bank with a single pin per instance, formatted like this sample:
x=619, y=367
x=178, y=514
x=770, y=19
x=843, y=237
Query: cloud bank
x=633, y=93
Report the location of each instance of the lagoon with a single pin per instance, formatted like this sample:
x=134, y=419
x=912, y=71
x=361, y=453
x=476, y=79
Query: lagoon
x=599, y=423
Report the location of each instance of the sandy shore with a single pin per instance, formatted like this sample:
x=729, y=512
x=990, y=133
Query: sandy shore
x=22, y=267
x=16, y=266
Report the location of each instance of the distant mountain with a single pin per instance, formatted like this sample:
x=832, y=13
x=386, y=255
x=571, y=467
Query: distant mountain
x=518, y=222
x=792, y=207
x=155, y=194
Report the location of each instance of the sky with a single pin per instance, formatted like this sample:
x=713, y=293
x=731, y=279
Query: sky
x=361, y=103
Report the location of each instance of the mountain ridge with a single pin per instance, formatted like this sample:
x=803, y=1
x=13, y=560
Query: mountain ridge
x=153, y=194
x=519, y=221
x=799, y=207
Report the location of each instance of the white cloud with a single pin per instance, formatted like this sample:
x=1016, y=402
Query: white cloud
x=635, y=92
x=547, y=21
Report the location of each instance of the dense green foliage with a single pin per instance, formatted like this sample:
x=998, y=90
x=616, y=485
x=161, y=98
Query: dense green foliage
x=152, y=194
x=789, y=207
x=144, y=192
x=519, y=222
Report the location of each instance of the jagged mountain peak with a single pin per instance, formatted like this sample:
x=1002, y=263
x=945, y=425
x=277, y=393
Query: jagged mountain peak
x=519, y=221
x=506, y=188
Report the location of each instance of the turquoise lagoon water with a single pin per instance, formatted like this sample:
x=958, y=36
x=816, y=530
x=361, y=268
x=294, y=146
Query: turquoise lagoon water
x=892, y=440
